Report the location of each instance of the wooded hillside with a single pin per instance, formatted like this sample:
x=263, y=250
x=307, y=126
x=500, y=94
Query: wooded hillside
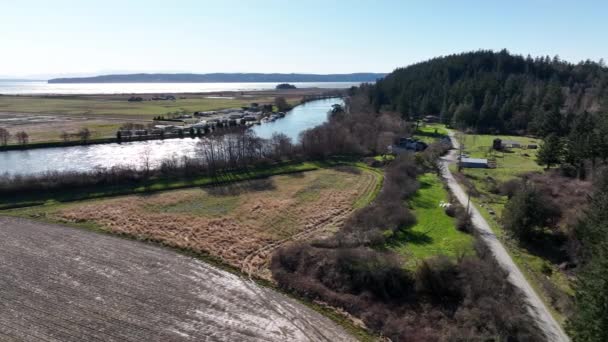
x=496, y=91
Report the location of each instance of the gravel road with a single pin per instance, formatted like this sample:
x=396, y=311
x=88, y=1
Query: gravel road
x=64, y=284
x=537, y=308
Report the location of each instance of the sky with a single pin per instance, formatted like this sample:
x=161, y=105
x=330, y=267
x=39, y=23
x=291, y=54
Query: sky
x=42, y=39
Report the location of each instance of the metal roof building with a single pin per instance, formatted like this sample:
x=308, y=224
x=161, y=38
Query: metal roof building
x=474, y=163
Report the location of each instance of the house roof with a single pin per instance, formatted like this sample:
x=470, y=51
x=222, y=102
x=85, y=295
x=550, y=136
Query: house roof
x=511, y=142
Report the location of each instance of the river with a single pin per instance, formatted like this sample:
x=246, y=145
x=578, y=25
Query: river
x=42, y=87
x=86, y=158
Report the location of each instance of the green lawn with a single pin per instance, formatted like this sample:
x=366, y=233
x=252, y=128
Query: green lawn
x=435, y=232
x=429, y=133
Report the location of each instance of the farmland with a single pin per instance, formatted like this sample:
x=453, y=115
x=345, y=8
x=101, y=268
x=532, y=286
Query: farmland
x=238, y=224
x=71, y=285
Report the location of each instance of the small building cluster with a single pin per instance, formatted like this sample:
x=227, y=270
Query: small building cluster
x=500, y=144
x=202, y=122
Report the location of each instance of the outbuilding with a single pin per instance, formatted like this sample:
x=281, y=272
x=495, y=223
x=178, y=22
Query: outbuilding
x=474, y=163
x=511, y=144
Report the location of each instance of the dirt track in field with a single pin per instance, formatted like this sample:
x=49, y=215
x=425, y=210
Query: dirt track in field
x=65, y=284
x=240, y=229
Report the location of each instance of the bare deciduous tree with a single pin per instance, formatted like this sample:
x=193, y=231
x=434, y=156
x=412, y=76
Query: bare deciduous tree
x=22, y=138
x=84, y=134
x=5, y=135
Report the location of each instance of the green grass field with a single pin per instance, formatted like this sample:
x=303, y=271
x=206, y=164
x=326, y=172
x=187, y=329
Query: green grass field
x=434, y=232
x=116, y=107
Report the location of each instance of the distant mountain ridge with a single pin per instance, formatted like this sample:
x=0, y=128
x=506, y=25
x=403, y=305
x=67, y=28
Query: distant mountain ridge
x=222, y=77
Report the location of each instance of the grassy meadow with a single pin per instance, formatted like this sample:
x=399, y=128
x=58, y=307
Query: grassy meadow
x=119, y=106
x=435, y=232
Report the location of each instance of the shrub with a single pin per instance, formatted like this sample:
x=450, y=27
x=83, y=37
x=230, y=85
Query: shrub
x=527, y=211
x=510, y=187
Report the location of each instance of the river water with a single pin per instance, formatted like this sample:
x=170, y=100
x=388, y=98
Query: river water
x=86, y=158
x=42, y=87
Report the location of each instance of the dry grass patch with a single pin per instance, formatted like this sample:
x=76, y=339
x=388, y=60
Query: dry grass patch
x=240, y=223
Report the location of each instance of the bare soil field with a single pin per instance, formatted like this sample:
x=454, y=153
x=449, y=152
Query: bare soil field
x=70, y=285
x=241, y=224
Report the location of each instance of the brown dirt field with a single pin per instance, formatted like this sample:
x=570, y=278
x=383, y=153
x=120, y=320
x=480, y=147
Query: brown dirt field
x=240, y=224
x=71, y=285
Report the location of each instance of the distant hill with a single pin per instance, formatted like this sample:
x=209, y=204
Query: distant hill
x=221, y=77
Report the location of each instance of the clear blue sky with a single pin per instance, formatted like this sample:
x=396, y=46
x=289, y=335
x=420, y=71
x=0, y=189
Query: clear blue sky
x=79, y=36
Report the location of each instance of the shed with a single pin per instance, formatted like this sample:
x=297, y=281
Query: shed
x=474, y=163
x=511, y=144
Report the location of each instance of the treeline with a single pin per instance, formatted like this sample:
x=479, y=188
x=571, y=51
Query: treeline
x=490, y=91
x=21, y=137
x=580, y=149
x=357, y=131
x=216, y=153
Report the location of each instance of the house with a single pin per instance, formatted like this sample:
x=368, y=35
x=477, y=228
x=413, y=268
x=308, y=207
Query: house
x=407, y=144
x=474, y=163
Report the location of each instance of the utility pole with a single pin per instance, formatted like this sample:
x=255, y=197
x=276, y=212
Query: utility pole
x=461, y=150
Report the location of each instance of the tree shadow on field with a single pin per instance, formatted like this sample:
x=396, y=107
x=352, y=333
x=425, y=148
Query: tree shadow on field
x=238, y=188
x=422, y=202
x=407, y=236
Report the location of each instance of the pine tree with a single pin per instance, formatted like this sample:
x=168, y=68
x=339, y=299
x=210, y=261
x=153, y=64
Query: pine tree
x=550, y=152
x=590, y=320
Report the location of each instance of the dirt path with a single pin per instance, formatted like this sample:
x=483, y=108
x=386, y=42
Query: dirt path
x=537, y=308
x=256, y=263
x=65, y=284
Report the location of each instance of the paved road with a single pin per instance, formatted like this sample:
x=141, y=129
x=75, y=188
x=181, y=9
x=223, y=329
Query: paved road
x=537, y=308
x=64, y=284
